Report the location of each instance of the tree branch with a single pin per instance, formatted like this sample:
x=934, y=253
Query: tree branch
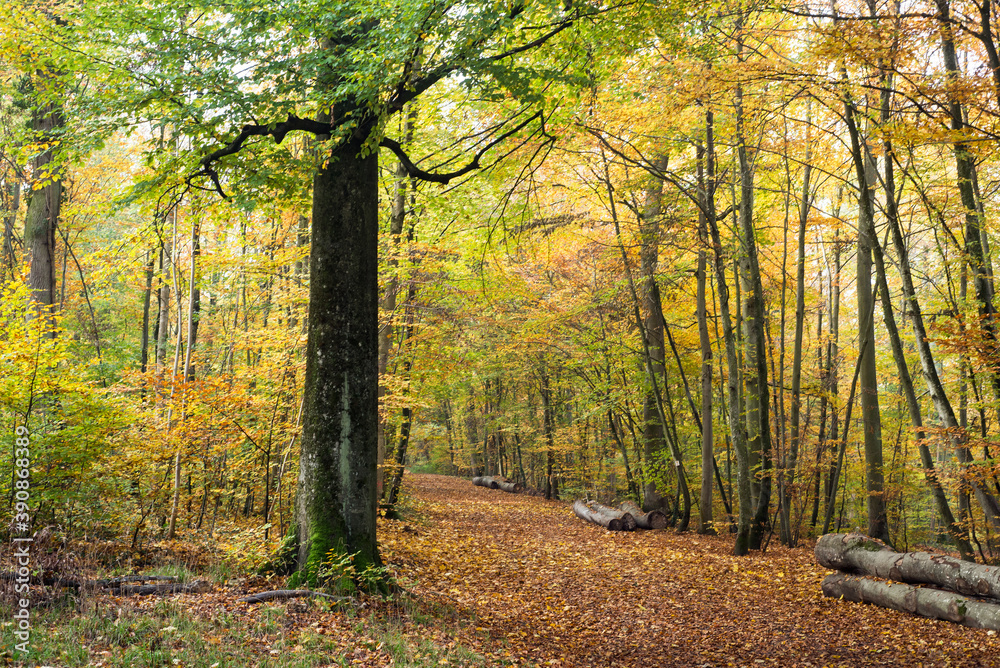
x=444, y=177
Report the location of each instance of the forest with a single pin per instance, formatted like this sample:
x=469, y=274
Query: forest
x=266, y=267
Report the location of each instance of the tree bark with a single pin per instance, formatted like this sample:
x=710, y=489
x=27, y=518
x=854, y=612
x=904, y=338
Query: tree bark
x=336, y=501
x=497, y=482
x=9, y=257
x=858, y=554
x=654, y=519
x=609, y=518
x=756, y=397
x=907, y=598
x=705, y=524
x=800, y=313
x=737, y=426
x=649, y=234
x=871, y=416
x=42, y=213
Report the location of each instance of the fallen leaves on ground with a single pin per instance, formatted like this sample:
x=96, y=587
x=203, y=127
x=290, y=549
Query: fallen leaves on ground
x=539, y=586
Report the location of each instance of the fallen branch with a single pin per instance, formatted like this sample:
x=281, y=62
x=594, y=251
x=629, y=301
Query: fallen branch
x=931, y=603
x=115, y=582
x=49, y=579
x=859, y=554
x=282, y=594
x=196, y=587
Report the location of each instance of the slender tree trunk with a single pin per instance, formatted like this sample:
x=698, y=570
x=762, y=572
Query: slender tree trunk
x=905, y=380
x=146, y=301
x=397, y=219
x=757, y=396
x=737, y=426
x=163, y=324
x=871, y=416
x=823, y=400
x=9, y=256
x=406, y=340
x=705, y=523
x=548, y=426
x=800, y=313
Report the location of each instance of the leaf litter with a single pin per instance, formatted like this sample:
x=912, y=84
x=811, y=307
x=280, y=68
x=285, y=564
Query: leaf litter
x=496, y=579
x=538, y=586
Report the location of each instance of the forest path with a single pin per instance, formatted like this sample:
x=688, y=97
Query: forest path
x=545, y=587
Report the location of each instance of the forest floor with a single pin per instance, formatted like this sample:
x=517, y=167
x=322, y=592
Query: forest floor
x=495, y=579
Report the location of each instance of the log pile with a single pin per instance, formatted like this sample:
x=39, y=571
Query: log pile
x=627, y=517
x=498, y=482
x=654, y=519
x=953, y=590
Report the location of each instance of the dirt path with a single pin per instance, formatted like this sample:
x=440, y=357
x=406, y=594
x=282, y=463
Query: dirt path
x=547, y=588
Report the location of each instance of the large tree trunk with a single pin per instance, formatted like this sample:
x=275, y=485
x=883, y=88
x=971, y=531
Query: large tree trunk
x=654, y=428
x=906, y=598
x=42, y=214
x=336, y=501
x=859, y=554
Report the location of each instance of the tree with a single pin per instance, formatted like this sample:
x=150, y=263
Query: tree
x=363, y=71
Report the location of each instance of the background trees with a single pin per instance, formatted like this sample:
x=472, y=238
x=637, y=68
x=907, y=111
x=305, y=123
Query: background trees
x=709, y=184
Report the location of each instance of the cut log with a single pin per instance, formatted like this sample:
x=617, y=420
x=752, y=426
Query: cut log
x=627, y=520
x=931, y=603
x=584, y=512
x=496, y=482
x=609, y=518
x=654, y=519
x=859, y=554
x=484, y=481
x=282, y=594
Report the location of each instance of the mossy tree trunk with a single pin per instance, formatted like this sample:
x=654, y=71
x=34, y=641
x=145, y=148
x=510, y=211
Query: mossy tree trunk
x=42, y=214
x=336, y=502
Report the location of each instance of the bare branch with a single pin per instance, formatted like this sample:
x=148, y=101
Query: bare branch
x=444, y=177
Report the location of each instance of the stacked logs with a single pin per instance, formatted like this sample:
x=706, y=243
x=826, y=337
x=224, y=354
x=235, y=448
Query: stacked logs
x=963, y=592
x=498, y=482
x=627, y=517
